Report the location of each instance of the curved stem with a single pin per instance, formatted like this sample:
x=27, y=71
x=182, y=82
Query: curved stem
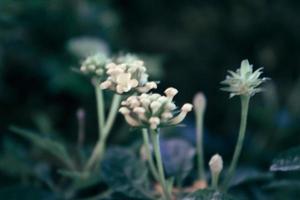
x=199, y=144
x=155, y=142
x=101, y=144
x=112, y=113
x=149, y=156
x=96, y=155
x=240, y=141
x=100, y=108
x=101, y=120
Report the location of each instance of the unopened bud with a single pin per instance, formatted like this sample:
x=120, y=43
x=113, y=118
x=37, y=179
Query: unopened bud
x=171, y=92
x=124, y=110
x=216, y=164
x=199, y=102
x=187, y=107
x=154, y=122
x=104, y=85
x=80, y=114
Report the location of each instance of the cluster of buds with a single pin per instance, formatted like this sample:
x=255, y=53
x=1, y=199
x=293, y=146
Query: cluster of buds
x=244, y=81
x=127, y=74
x=153, y=110
x=94, y=65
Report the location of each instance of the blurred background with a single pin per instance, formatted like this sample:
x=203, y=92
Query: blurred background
x=189, y=45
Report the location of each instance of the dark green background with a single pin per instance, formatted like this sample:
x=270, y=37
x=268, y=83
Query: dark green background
x=194, y=42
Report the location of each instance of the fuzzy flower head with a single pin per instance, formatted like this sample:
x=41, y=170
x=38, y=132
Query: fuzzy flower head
x=153, y=110
x=244, y=81
x=94, y=65
x=127, y=74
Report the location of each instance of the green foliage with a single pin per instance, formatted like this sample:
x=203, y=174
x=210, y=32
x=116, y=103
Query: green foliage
x=250, y=176
x=287, y=161
x=25, y=193
x=126, y=174
x=54, y=148
x=208, y=194
x=14, y=159
x=280, y=184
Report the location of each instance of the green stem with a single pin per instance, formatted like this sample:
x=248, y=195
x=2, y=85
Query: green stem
x=149, y=156
x=214, y=181
x=112, y=113
x=199, y=144
x=100, y=108
x=157, y=153
x=245, y=105
x=96, y=155
x=101, y=120
x=99, y=150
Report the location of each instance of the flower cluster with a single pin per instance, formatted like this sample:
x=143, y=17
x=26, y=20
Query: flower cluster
x=127, y=74
x=244, y=81
x=153, y=110
x=94, y=65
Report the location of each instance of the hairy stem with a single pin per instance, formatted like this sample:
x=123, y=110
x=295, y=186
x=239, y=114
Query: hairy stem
x=238, y=148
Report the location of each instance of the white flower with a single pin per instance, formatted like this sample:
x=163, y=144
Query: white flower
x=153, y=110
x=127, y=74
x=244, y=81
x=216, y=164
x=125, y=83
x=94, y=65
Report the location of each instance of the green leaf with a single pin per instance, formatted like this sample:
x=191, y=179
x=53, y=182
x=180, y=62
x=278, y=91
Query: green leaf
x=287, y=161
x=14, y=159
x=24, y=193
x=281, y=184
x=208, y=194
x=247, y=175
x=80, y=180
x=54, y=148
x=70, y=174
x=125, y=174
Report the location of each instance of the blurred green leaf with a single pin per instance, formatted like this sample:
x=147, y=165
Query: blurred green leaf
x=80, y=181
x=291, y=184
x=208, y=194
x=287, y=161
x=25, y=193
x=125, y=174
x=14, y=159
x=250, y=176
x=70, y=174
x=55, y=148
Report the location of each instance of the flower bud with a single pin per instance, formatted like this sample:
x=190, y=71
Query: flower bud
x=124, y=110
x=139, y=110
x=216, y=164
x=171, y=92
x=154, y=122
x=105, y=85
x=187, y=107
x=199, y=102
